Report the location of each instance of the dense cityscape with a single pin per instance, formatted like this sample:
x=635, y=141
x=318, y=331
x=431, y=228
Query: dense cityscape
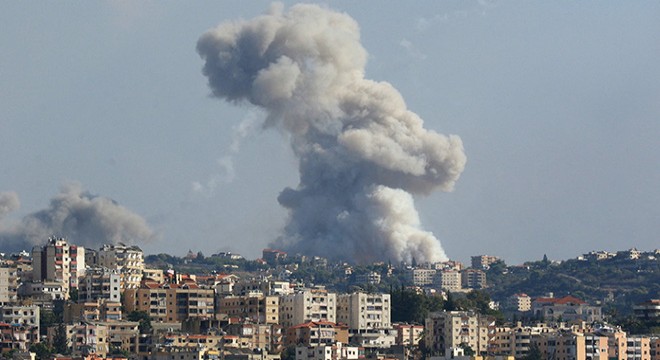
x=68, y=302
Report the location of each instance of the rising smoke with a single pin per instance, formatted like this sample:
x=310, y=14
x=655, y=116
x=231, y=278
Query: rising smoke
x=361, y=152
x=82, y=218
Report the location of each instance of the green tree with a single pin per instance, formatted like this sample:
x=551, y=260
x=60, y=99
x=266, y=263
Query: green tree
x=42, y=350
x=60, y=340
x=144, y=321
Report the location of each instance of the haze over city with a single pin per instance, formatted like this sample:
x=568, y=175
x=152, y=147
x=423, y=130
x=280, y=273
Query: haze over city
x=105, y=109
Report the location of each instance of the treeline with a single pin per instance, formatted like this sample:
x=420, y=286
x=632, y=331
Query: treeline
x=413, y=307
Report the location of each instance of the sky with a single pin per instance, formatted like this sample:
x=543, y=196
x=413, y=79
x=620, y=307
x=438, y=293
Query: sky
x=557, y=105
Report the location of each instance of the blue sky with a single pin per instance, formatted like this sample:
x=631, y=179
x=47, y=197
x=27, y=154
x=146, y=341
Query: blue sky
x=557, y=104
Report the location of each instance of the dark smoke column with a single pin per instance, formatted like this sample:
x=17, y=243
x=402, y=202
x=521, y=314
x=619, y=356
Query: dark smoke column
x=362, y=153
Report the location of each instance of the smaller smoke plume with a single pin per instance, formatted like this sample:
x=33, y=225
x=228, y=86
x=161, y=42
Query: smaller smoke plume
x=84, y=219
x=225, y=171
x=8, y=203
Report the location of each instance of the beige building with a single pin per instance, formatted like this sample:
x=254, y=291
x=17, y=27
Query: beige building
x=58, y=261
x=446, y=331
x=420, y=277
x=448, y=280
x=519, y=302
x=409, y=335
x=362, y=311
x=128, y=260
x=568, y=308
x=8, y=285
x=310, y=305
x=473, y=279
x=483, y=262
x=84, y=338
x=171, y=302
x=256, y=308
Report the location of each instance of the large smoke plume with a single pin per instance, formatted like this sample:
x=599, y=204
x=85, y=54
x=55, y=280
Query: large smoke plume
x=361, y=152
x=82, y=218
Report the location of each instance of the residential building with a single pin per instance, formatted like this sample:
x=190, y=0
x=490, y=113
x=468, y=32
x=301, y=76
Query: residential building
x=648, y=310
x=362, y=311
x=58, y=261
x=369, y=277
x=128, y=260
x=17, y=337
x=568, y=308
x=23, y=315
x=315, y=333
x=256, y=308
x=171, y=302
x=520, y=302
x=408, y=335
x=515, y=341
x=562, y=346
x=8, y=285
x=41, y=293
x=336, y=351
x=448, y=280
x=84, y=338
x=420, y=276
x=473, y=279
x=272, y=256
x=483, y=262
x=99, y=283
x=309, y=305
x=445, y=331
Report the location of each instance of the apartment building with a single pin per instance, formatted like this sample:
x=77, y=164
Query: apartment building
x=171, y=302
x=473, y=279
x=17, y=337
x=84, y=338
x=336, y=351
x=448, y=280
x=128, y=260
x=309, y=305
x=8, y=285
x=515, y=341
x=257, y=308
x=483, y=262
x=362, y=311
x=23, y=315
x=58, y=261
x=448, y=330
x=99, y=310
x=568, y=308
x=420, y=277
x=99, y=283
x=408, y=334
x=316, y=333
x=519, y=302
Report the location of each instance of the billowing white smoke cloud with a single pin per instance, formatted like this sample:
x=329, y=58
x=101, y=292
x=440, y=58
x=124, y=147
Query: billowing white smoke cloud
x=82, y=218
x=362, y=153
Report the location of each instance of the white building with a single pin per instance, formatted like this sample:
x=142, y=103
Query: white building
x=128, y=260
x=327, y=352
x=24, y=315
x=99, y=283
x=309, y=305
